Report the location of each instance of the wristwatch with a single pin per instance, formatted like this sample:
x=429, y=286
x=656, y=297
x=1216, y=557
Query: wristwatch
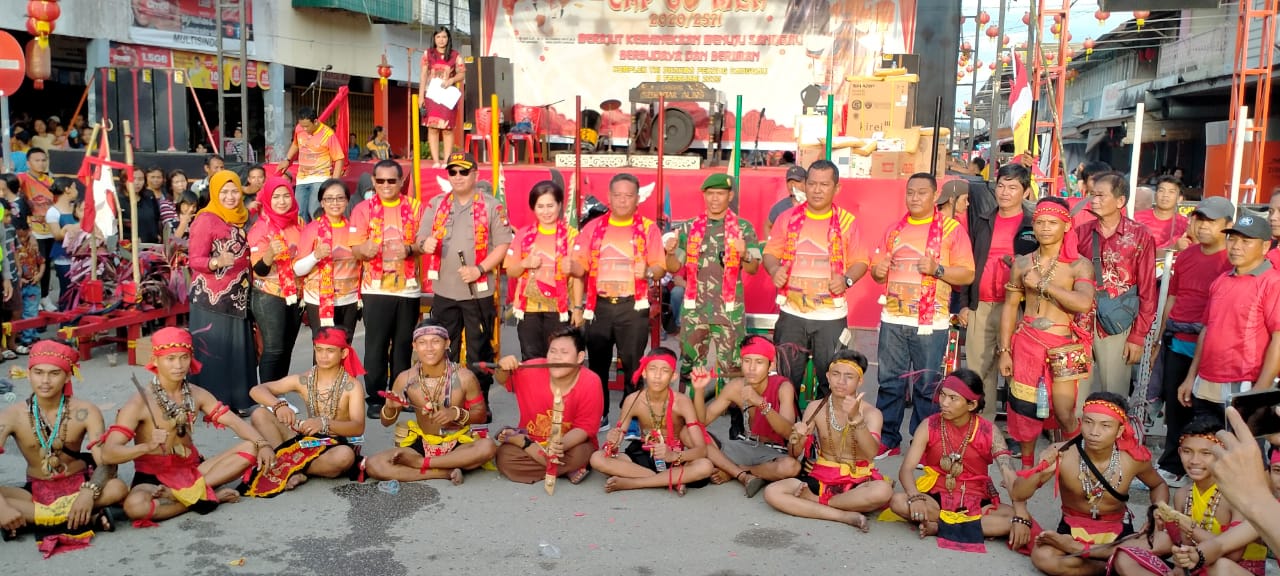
x=939, y=271
x=848, y=282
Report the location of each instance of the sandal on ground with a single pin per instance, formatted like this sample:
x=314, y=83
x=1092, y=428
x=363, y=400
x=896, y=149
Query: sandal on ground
x=23, y=350
x=9, y=355
x=579, y=475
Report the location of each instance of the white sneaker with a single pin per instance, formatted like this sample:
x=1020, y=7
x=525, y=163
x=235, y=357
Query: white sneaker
x=1174, y=481
x=48, y=305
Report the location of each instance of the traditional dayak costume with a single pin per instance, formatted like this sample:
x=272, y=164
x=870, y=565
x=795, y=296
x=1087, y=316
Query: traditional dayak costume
x=54, y=495
x=763, y=444
x=663, y=431
x=956, y=463
x=179, y=469
x=1043, y=358
x=1091, y=528
x=436, y=397
x=1202, y=508
x=295, y=454
x=828, y=478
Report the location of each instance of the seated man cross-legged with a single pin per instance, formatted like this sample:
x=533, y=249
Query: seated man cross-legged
x=770, y=399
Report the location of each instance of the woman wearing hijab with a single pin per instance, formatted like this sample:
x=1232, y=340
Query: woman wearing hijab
x=275, y=297
x=219, y=263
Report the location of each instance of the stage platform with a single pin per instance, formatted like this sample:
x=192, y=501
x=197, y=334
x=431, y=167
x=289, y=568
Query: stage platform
x=877, y=204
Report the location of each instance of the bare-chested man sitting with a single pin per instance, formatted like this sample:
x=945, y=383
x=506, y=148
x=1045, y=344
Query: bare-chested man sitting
x=839, y=481
x=1094, y=471
x=320, y=445
x=170, y=477
x=437, y=442
x=67, y=491
x=672, y=451
x=1051, y=345
x=770, y=399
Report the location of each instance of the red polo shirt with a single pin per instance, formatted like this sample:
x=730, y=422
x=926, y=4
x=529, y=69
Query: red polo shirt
x=1274, y=257
x=1242, y=313
x=1194, y=273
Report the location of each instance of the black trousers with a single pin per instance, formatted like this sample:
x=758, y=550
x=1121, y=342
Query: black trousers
x=344, y=317
x=1174, y=369
x=474, y=318
x=534, y=332
x=278, y=324
x=820, y=337
x=617, y=325
x=46, y=247
x=388, y=341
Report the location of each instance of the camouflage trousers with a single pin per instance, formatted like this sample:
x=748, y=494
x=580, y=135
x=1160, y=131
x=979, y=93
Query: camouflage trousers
x=696, y=341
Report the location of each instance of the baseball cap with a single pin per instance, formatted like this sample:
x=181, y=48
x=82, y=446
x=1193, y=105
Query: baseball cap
x=797, y=173
x=951, y=190
x=720, y=181
x=1215, y=207
x=1251, y=225
x=461, y=160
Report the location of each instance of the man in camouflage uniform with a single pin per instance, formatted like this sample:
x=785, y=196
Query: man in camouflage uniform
x=713, y=252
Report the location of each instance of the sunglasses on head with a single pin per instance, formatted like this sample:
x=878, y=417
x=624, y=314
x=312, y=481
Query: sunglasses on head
x=385, y=180
x=459, y=171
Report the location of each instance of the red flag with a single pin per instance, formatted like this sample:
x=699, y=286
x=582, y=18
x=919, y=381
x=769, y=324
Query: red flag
x=342, y=125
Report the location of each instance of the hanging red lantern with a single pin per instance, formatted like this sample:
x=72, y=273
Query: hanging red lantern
x=41, y=18
x=1088, y=48
x=1102, y=16
x=968, y=68
x=1057, y=18
x=1005, y=43
x=39, y=63
x=1069, y=54
x=1141, y=16
x=960, y=75
x=991, y=66
x=1050, y=57
x=966, y=47
x=984, y=18
x=993, y=32
x=977, y=64
x=1056, y=29
x=1026, y=18
x=1006, y=59
x=384, y=71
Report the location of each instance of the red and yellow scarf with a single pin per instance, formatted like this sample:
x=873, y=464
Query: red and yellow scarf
x=928, y=284
x=558, y=291
x=639, y=225
x=407, y=225
x=479, y=222
x=328, y=287
x=799, y=216
x=732, y=261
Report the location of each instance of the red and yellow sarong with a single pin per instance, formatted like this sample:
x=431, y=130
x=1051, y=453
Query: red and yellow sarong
x=410, y=435
x=1030, y=352
x=181, y=475
x=829, y=479
x=1085, y=529
x=53, y=499
x=292, y=457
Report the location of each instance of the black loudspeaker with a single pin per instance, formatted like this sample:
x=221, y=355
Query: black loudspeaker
x=485, y=76
x=936, y=46
x=106, y=102
x=145, y=119
x=909, y=61
x=171, y=132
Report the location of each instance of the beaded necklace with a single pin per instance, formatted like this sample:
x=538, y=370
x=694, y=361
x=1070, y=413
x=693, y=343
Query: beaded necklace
x=49, y=437
x=434, y=397
x=1093, y=487
x=952, y=463
x=329, y=399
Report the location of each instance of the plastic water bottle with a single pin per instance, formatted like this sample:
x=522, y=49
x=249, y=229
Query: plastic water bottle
x=548, y=550
x=1042, y=399
x=391, y=487
x=661, y=465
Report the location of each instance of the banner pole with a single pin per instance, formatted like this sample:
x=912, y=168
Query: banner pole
x=577, y=160
x=831, y=122
x=415, y=144
x=655, y=336
x=737, y=143
x=494, y=159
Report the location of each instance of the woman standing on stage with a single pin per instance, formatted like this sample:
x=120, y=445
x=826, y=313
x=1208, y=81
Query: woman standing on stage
x=444, y=63
x=546, y=297
x=329, y=270
x=220, y=326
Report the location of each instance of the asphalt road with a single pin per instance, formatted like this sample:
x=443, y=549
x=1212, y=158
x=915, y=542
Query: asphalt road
x=490, y=525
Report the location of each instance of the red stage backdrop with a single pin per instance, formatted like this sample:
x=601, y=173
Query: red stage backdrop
x=765, y=50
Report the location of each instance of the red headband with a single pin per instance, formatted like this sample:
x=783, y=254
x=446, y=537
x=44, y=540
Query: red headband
x=1070, y=246
x=955, y=384
x=647, y=360
x=337, y=337
x=1128, y=440
x=168, y=341
x=57, y=354
x=760, y=347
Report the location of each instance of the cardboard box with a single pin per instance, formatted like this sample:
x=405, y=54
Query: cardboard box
x=879, y=105
x=926, y=150
x=891, y=165
x=807, y=154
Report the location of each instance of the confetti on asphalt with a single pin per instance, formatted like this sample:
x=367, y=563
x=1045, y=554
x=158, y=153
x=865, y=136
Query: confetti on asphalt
x=579, y=514
x=239, y=562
